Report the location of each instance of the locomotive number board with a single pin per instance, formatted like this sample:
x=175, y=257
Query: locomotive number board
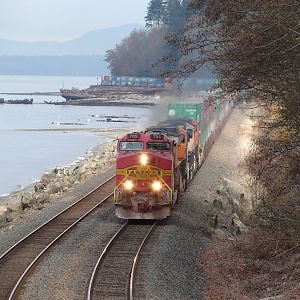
x=134, y=135
x=156, y=136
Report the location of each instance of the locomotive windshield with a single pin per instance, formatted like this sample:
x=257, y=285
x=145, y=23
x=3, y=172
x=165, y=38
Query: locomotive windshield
x=158, y=146
x=131, y=146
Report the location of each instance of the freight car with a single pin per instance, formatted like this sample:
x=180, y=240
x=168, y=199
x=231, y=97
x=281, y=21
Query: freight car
x=210, y=112
x=154, y=166
x=132, y=81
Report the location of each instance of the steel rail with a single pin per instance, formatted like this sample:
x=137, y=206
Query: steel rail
x=135, y=261
x=16, y=287
x=106, y=251
x=50, y=220
x=39, y=255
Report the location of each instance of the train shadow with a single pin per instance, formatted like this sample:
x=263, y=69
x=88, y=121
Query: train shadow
x=141, y=222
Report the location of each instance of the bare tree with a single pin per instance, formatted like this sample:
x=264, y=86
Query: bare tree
x=254, y=49
x=136, y=55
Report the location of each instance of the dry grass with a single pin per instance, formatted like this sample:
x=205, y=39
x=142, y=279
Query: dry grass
x=261, y=264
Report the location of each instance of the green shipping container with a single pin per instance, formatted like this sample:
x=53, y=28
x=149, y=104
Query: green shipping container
x=187, y=110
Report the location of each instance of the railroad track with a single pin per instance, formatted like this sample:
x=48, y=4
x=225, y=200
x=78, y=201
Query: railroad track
x=114, y=273
x=17, y=262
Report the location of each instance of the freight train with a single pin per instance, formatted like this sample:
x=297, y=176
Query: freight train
x=154, y=166
x=147, y=82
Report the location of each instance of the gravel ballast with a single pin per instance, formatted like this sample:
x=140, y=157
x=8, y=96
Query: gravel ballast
x=31, y=219
x=64, y=273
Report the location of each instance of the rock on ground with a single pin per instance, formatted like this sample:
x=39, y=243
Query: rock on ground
x=57, y=183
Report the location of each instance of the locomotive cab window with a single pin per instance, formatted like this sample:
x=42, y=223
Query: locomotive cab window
x=158, y=146
x=181, y=139
x=190, y=133
x=131, y=146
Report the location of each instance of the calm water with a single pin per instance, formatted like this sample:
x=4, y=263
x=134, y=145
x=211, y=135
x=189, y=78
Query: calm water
x=31, y=84
x=25, y=155
x=28, y=84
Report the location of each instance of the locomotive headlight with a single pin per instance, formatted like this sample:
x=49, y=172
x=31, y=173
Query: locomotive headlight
x=144, y=159
x=156, y=186
x=128, y=185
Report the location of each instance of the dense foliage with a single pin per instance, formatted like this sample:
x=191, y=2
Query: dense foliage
x=155, y=13
x=136, y=54
x=254, y=48
x=168, y=13
x=140, y=54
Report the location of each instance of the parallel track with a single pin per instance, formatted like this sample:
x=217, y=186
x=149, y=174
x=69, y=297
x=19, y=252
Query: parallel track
x=114, y=273
x=16, y=262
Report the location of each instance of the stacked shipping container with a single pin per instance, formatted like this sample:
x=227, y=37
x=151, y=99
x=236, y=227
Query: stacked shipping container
x=210, y=111
x=133, y=81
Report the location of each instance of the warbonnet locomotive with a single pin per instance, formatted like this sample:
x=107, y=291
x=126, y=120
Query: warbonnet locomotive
x=154, y=166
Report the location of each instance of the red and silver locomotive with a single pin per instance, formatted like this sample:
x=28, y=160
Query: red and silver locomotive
x=147, y=183
x=154, y=166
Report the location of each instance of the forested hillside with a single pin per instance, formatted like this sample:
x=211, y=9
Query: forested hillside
x=143, y=52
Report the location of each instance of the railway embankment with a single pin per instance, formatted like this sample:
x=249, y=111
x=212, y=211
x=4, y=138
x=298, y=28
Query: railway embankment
x=56, y=184
x=172, y=265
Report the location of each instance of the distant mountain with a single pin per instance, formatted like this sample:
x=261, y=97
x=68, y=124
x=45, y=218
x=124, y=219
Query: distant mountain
x=92, y=43
x=88, y=65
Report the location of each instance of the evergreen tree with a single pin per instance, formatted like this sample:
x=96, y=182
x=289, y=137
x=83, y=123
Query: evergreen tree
x=174, y=15
x=155, y=13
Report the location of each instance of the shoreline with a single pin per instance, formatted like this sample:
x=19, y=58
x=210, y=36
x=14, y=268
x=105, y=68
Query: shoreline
x=61, y=170
x=57, y=182
x=103, y=103
x=40, y=146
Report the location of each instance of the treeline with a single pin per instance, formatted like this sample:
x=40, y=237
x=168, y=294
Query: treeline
x=254, y=48
x=143, y=52
x=137, y=54
x=171, y=14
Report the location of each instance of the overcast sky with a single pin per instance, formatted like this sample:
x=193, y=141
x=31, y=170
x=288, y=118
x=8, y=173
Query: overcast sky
x=59, y=20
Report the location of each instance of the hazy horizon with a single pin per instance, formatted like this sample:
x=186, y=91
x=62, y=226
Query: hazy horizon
x=59, y=21
x=70, y=39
